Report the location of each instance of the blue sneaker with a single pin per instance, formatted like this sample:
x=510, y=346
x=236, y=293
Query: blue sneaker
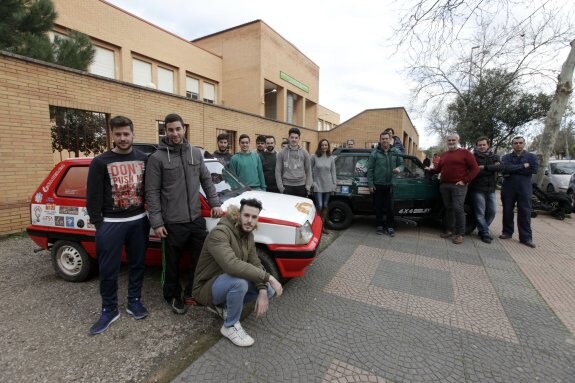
x=107, y=317
x=136, y=309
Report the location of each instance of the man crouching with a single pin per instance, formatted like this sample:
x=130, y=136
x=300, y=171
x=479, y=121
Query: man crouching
x=230, y=274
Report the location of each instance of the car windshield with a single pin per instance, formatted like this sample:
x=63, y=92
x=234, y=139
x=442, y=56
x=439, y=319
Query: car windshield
x=563, y=167
x=226, y=183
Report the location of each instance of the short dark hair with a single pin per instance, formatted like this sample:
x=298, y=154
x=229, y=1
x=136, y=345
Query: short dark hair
x=173, y=117
x=223, y=136
x=244, y=136
x=285, y=142
x=294, y=130
x=121, y=121
x=385, y=133
x=251, y=202
x=390, y=130
x=318, y=150
x=272, y=137
x=482, y=138
x=261, y=138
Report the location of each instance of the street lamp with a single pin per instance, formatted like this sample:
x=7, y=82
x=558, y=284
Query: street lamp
x=470, y=67
x=266, y=93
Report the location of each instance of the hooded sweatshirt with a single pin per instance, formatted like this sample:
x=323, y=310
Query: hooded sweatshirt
x=173, y=178
x=227, y=249
x=293, y=168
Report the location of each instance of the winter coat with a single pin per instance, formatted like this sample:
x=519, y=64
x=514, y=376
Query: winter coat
x=173, y=177
x=486, y=179
x=227, y=250
x=380, y=165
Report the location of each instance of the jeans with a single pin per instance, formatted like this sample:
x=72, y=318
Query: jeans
x=111, y=237
x=453, y=197
x=181, y=237
x=321, y=200
x=484, y=207
x=233, y=293
x=383, y=199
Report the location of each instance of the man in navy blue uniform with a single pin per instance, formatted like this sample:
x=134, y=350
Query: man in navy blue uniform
x=518, y=167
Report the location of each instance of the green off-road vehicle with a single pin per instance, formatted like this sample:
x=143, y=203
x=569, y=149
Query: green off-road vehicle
x=416, y=195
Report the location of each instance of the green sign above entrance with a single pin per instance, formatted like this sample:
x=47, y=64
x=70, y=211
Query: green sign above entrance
x=294, y=82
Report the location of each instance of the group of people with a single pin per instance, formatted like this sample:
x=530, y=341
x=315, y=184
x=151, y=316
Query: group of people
x=225, y=271
x=288, y=171
x=475, y=172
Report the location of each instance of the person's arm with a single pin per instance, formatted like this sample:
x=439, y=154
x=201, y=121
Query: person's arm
x=399, y=163
x=371, y=172
x=279, y=171
x=153, y=190
x=95, y=193
x=233, y=165
x=473, y=168
x=260, y=167
x=308, y=174
x=333, y=174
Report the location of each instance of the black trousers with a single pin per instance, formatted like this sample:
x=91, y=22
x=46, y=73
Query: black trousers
x=383, y=199
x=182, y=236
x=299, y=191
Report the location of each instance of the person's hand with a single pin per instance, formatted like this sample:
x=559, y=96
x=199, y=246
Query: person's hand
x=460, y=183
x=481, y=167
x=397, y=170
x=372, y=189
x=216, y=212
x=161, y=232
x=274, y=283
x=262, y=303
x=427, y=168
x=526, y=165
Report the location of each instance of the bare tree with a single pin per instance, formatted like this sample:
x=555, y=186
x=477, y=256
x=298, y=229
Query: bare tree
x=558, y=106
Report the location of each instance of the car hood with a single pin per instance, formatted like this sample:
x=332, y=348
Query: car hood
x=278, y=207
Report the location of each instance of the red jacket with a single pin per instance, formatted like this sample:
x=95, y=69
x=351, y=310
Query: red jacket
x=457, y=165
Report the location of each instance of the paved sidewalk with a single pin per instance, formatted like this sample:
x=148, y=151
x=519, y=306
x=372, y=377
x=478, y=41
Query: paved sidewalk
x=416, y=308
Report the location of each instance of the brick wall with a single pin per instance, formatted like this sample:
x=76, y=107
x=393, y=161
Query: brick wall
x=29, y=87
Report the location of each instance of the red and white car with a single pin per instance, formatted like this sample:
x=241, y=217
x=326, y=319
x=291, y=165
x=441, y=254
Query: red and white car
x=288, y=233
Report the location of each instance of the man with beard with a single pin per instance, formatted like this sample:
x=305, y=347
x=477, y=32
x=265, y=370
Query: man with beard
x=174, y=175
x=268, y=158
x=482, y=188
x=230, y=274
x=458, y=168
x=222, y=154
x=115, y=204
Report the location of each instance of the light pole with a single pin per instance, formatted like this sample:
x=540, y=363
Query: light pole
x=266, y=93
x=471, y=67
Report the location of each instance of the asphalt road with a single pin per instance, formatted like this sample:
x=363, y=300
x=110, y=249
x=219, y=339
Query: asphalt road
x=44, y=325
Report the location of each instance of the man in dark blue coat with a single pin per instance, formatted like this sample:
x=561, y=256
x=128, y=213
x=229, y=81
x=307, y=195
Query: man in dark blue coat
x=518, y=167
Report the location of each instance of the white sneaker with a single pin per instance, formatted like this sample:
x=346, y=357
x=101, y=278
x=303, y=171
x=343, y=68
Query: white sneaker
x=219, y=311
x=237, y=335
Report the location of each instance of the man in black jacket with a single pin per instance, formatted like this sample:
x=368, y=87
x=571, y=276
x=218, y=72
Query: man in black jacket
x=482, y=188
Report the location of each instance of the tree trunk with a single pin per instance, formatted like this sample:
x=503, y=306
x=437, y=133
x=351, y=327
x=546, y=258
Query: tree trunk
x=556, y=111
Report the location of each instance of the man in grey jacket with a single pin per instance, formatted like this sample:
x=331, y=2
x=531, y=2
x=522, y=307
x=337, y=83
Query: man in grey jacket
x=173, y=177
x=293, y=168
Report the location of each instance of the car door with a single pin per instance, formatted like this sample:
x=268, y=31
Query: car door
x=413, y=188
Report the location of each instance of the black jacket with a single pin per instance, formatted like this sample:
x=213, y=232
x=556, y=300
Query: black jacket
x=486, y=179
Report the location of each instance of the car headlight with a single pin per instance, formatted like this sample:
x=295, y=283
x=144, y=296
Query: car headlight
x=303, y=234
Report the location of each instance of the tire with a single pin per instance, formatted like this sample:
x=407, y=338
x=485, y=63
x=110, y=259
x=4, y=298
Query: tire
x=71, y=262
x=550, y=188
x=339, y=215
x=268, y=263
x=470, y=222
x=571, y=195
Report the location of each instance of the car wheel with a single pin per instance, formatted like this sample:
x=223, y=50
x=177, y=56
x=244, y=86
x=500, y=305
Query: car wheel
x=339, y=215
x=268, y=263
x=550, y=188
x=470, y=222
x=572, y=196
x=71, y=262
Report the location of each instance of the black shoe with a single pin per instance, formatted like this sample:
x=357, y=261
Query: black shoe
x=504, y=236
x=379, y=230
x=178, y=306
x=485, y=239
x=529, y=244
x=136, y=309
x=107, y=317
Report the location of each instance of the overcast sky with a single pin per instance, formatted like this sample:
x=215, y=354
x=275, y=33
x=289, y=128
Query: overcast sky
x=348, y=41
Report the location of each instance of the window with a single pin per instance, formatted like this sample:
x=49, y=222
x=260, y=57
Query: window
x=410, y=169
x=103, y=64
x=141, y=73
x=209, y=93
x=165, y=80
x=73, y=184
x=192, y=88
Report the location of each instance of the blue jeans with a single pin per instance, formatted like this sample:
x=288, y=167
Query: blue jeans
x=484, y=207
x=233, y=293
x=321, y=200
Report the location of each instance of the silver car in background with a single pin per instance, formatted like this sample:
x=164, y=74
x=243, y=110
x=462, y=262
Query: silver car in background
x=557, y=175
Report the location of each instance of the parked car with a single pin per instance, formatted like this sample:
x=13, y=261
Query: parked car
x=557, y=175
x=571, y=191
x=288, y=233
x=416, y=192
